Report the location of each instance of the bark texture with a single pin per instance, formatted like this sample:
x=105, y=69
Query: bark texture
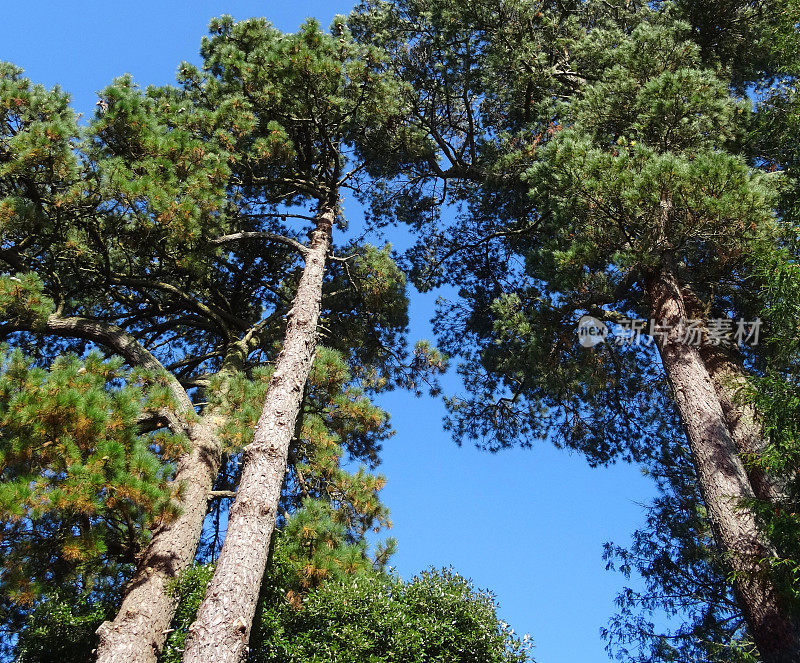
x=744, y=422
x=139, y=630
x=728, y=376
x=222, y=628
x=722, y=476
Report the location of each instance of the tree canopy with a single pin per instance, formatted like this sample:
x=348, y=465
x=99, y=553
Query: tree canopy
x=185, y=373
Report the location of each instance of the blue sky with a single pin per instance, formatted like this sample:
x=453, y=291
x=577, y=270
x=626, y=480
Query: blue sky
x=527, y=524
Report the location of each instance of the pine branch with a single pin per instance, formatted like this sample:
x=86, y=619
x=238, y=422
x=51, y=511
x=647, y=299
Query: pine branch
x=274, y=237
x=114, y=338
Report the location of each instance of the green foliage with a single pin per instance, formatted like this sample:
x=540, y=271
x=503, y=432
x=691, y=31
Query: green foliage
x=78, y=483
x=190, y=587
x=683, y=607
x=437, y=616
x=753, y=40
x=352, y=613
x=649, y=132
x=775, y=393
x=22, y=298
x=563, y=152
x=582, y=146
x=338, y=424
x=36, y=147
x=81, y=485
x=132, y=225
x=295, y=103
x=367, y=307
x=313, y=548
x=161, y=171
x=137, y=225
x=61, y=629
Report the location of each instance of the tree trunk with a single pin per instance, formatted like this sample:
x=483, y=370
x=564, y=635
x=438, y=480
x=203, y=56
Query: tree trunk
x=139, y=630
x=722, y=476
x=744, y=422
x=222, y=628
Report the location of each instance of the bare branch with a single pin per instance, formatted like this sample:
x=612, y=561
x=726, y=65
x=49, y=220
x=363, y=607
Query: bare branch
x=472, y=245
x=273, y=237
x=221, y=494
x=193, y=303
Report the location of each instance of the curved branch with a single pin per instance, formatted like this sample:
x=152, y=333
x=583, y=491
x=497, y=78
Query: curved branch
x=302, y=249
x=198, y=306
x=116, y=339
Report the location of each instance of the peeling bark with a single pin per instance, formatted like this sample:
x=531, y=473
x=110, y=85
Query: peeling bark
x=722, y=476
x=222, y=628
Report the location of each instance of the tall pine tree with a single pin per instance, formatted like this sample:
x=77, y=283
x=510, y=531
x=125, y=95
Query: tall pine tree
x=320, y=104
x=598, y=152
x=154, y=235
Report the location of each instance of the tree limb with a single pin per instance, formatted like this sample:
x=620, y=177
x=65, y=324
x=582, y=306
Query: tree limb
x=274, y=237
x=116, y=339
x=193, y=303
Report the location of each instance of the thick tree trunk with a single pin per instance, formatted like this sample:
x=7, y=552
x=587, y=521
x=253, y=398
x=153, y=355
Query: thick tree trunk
x=722, y=477
x=222, y=628
x=744, y=422
x=728, y=376
x=139, y=630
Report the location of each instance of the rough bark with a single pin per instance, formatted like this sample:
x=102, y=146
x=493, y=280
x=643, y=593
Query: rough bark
x=744, y=422
x=222, y=628
x=729, y=378
x=722, y=476
x=138, y=632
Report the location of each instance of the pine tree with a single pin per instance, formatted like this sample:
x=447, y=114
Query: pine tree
x=59, y=210
x=684, y=608
x=155, y=235
x=337, y=419
x=599, y=151
x=318, y=103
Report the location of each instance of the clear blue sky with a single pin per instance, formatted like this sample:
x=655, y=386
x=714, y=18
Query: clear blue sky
x=528, y=525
